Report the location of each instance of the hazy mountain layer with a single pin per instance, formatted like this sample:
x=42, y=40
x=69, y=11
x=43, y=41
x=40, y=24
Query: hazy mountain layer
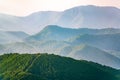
x=104, y=41
x=54, y=32
x=77, y=17
x=12, y=36
x=97, y=45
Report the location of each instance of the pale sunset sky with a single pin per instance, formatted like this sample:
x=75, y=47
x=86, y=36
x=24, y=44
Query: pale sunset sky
x=26, y=7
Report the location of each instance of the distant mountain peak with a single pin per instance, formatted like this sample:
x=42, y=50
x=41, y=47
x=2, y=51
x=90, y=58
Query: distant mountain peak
x=52, y=27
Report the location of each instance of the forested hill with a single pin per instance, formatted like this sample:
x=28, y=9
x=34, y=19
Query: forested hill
x=52, y=67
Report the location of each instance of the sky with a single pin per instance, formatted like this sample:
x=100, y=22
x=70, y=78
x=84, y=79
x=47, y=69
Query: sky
x=26, y=7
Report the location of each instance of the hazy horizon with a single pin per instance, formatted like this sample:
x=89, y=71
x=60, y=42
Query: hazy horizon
x=52, y=10
x=97, y=14
x=26, y=7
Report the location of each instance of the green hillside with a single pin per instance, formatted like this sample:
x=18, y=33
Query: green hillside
x=51, y=67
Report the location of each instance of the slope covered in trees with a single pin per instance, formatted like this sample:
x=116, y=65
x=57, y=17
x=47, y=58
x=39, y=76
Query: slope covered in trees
x=51, y=67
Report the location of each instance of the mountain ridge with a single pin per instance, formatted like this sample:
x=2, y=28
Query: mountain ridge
x=78, y=17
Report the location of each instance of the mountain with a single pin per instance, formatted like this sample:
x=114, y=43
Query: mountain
x=12, y=36
x=54, y=32
x=77, y=17
x=89, y=53
x=72, y=40
x=80, y=17
x=79, y=52
x=20, y=47
x=103, y=41
x=33, y=47
x=8, y=22
x=91, y=17
x=82, y=43
x=52, y=67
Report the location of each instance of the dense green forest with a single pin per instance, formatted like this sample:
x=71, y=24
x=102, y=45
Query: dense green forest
x=52, y=67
